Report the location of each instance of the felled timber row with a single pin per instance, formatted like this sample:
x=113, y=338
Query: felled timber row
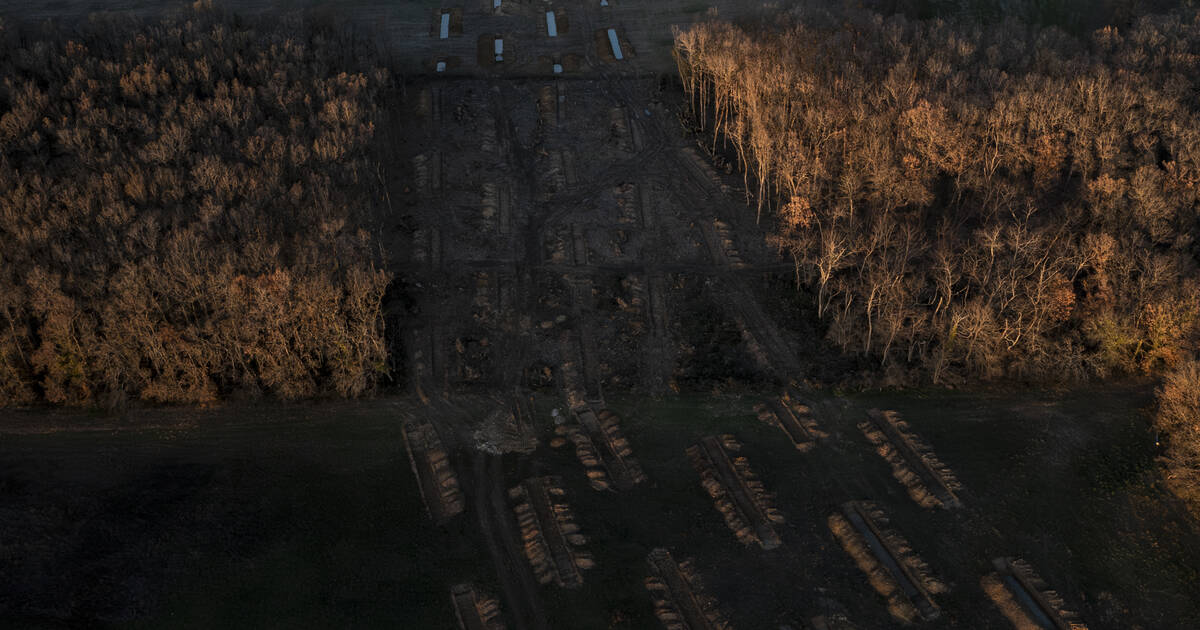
x=427, y=169
x=887, y=559
x=679, y=599
x=522, y=413
x=547, y=106
x=607, y=425
x=725, y=236
x=619, y=129
x=1025, y=599
x=928, y=481
x=736, y=492
x=585, y=451
x=602, y=449
x=549, y=532
x=793, y=418
x=702, y=172
x=473, y=610
x=435, y=477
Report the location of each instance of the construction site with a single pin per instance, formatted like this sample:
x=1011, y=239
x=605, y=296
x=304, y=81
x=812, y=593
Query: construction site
x=608, y=424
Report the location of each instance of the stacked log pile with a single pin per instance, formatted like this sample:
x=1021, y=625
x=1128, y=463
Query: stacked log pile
x=737, y=493
x=586, y=453
x=679, y=599
x=549, y=533
x=610, y=428
x=475, y=611
x=430, y=463
x=1026, y=600
x=792, y=417
x=603, y=449
x=928, y=481
x=891, y=566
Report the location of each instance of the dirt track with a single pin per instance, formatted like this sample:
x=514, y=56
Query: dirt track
x=405, y=29
x=522, y=603
x=581, y=262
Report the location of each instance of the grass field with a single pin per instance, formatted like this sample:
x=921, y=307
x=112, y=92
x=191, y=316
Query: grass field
x=308, y=516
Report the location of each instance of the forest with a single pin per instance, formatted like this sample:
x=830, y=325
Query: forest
x=975, y=203
x=181, y=204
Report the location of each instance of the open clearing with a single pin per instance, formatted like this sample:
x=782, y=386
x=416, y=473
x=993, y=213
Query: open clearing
x=229, y=521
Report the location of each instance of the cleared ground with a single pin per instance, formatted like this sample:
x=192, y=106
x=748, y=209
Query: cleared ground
x=311, y=516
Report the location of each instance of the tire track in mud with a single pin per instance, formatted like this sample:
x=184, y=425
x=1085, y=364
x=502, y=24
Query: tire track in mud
x=516, y=581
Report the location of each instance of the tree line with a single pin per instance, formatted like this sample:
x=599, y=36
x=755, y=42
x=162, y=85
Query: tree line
x=181, y=204
x=969, y=202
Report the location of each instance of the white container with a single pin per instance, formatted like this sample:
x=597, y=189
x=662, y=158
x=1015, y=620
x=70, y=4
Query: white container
x=616, y=46
x=551, y=25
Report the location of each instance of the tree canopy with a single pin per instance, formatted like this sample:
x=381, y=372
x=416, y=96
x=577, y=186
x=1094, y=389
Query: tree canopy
x=181, y=212
x=969, y=202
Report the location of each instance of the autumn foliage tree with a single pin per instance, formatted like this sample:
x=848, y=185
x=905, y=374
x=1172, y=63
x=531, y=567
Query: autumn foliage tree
x=181, y=212
x=967, y=202
x=1179, y=420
